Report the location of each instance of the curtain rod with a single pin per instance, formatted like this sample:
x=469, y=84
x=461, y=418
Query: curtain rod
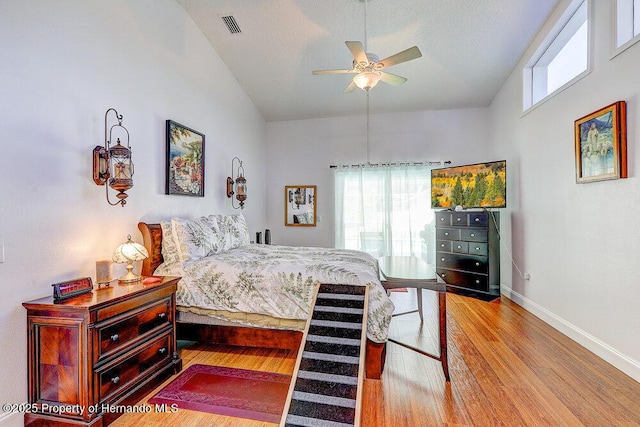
x=422, y=163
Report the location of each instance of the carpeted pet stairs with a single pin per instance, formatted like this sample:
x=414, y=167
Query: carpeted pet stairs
x=326, y=387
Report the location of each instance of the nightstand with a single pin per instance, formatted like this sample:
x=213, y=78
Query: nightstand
x=108, y=347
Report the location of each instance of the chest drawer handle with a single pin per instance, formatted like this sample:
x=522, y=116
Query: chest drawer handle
x=442, y=259
x=115, y=337
x=477, y=248
x=459, y=246
x=477, y=220
x=162, y=315
x=473, y=234
x=115, y=380
x=162, y=350
x=478, y=281
x=446, y=233
x=459, y=219
x=442, y=245
x=477, y=264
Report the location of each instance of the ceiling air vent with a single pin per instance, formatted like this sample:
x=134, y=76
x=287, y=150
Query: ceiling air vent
x=231, y=23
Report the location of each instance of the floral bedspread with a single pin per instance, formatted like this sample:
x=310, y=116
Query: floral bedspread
x=278, y=281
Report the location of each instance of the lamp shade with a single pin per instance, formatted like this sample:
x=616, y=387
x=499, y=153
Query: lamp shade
x=366, y=80
x=128, y=252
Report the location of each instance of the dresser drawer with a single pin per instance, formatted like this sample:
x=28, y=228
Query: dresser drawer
x=460, y=247
x=474, y=264
x=459, y=218
x=479, y=219
x=473, y=234
x=443, y=245
x=121, y=331
x=479, y=282
x=478, y=248
x=134, y=367
x=446, y=233
x=443, y=218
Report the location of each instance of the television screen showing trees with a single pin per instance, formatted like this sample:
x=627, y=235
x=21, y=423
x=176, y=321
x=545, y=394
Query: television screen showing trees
x=481, y=185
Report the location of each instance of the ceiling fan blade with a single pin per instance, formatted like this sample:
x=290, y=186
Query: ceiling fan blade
x=392, y=79
x=352, y=86
x=357, y=50
x=316, y=72
x=404, y=56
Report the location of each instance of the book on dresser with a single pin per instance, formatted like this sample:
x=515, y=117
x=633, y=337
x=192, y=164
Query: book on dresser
x=468, y=252
x=100, y=350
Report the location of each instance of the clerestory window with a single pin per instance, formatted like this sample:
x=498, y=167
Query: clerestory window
x=561, y=59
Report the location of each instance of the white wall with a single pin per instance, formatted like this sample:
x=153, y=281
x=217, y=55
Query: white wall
x=300, y=153
x=62, y=65
x=578, y=241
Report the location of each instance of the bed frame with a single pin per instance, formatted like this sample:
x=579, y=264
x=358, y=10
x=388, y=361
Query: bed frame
x=242, y=335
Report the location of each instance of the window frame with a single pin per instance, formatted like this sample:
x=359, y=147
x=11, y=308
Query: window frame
x=567, y=18
x=615, y=49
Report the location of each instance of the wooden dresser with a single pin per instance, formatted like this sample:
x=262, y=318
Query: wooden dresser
x=468, y=252
x=94, y=355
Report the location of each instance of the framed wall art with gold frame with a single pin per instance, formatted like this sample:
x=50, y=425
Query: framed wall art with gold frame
x=601, y=144
x=300, y=205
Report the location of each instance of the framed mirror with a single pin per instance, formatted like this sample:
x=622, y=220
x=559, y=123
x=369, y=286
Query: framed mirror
x=300, y=205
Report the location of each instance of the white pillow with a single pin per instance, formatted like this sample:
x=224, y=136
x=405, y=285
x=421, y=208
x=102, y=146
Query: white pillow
x=169, y=249
x=233, y=230
x=196, y=238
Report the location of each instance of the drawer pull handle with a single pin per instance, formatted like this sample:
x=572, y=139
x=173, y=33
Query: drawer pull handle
x=115, y=380
x=478, y=281
x=477, y=220
x=162, y=315
x=115, y=337
x=473, y=234
x=442, y=275
x=442, y=259
x=459, y=219
x=446, y=233
x=477, y=248
x=441, y=219
x=442, y=245
x=459, y=247
x=477, y=264
x=162, y=350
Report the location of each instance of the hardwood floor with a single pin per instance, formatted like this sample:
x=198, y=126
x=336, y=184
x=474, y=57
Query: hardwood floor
x=507, y=368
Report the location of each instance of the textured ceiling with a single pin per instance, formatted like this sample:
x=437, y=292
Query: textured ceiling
x=469, y=47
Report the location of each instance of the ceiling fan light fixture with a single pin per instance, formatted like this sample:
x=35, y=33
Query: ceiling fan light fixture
x=366, y=80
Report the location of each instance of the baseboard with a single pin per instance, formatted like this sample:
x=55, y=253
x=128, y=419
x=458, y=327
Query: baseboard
x=624, y=363
x=12, y=419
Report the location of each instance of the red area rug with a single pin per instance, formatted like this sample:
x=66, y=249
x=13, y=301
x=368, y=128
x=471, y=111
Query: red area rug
x=227, y=391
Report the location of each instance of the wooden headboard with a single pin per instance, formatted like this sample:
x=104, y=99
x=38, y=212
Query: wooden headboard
x=152, y=241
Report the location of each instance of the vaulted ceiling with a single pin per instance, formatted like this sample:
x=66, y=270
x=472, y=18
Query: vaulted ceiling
x=469, y=47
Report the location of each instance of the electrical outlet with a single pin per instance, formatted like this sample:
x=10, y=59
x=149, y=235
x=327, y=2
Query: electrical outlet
x=527, y=276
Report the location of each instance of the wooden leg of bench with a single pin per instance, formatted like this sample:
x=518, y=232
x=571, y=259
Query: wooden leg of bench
x=375, y=358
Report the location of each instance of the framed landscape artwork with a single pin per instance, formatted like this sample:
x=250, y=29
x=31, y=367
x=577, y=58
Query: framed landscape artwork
x=185, y=161
x=300, y=205
x=601, y=144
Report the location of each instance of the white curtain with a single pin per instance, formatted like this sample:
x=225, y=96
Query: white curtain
x=385, y=210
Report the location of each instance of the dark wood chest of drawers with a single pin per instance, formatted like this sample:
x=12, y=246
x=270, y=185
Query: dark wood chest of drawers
x=104, y=349
x=468, y=251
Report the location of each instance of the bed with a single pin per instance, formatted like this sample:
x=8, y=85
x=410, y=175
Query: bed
x=237, y=293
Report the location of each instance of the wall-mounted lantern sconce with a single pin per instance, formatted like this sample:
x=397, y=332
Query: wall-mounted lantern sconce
x=112, y=164
x=298, y=198
x=239, y=186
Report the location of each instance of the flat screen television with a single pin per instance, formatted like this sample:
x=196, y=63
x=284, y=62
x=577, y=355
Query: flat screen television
x=480, y=185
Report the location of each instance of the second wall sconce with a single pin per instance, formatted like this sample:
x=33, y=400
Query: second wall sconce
x=112, y=164
x=237, y=186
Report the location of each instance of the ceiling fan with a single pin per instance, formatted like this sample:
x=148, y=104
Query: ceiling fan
x=368, y=66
